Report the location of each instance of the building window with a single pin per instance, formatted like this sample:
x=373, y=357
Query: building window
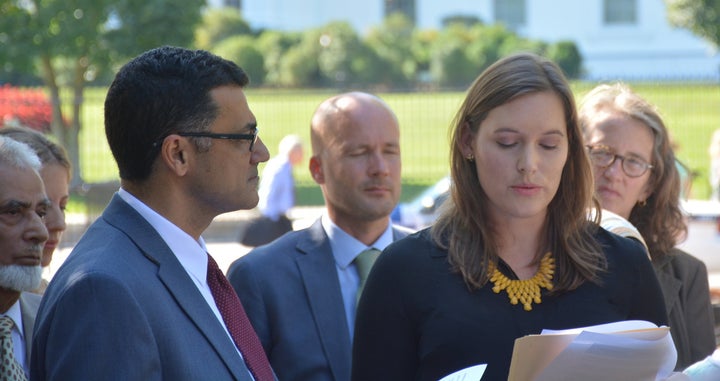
x=620, y=12
x=406, y=7
x=510, y=12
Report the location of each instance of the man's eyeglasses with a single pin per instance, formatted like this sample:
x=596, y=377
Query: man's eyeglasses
x=603, y=157
x=251, y=137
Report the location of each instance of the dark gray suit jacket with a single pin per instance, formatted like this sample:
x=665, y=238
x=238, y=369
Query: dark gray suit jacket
x=122, y=307
x=291, y=293
x=684, y=282
x=29, y=303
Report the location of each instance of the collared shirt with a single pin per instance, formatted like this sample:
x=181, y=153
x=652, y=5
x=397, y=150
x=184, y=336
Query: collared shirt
x=191, y=254
x=345, y=248
x=18, y=335
x=277, y=188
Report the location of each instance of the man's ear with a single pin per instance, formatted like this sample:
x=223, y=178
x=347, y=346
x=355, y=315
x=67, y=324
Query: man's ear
x=316, y=169
x=175, y=154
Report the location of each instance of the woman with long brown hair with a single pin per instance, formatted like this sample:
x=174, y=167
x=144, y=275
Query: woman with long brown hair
x=513, y=251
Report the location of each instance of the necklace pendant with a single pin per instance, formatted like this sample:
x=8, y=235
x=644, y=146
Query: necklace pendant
x=527, y=291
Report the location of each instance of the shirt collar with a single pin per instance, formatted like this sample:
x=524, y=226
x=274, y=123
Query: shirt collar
x=191, y=254
x=15, y=314
x=346, y=247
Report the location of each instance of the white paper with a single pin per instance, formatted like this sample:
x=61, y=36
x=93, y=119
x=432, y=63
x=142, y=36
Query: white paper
x=627, y=350
x=473, y=373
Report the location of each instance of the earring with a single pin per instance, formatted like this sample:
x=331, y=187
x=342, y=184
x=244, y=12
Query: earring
x=470, y=157
x=642, y=203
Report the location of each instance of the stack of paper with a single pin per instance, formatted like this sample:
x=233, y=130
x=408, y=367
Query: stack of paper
x=626, y=350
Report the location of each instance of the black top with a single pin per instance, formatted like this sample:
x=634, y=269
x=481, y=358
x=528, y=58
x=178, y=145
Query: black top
x=417, y=320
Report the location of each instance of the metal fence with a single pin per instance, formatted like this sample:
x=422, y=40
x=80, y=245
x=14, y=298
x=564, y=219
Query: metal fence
x=691, y=111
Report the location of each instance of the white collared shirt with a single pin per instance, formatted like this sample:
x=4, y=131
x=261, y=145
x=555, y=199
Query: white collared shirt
x=191, y=254
x=345, y=248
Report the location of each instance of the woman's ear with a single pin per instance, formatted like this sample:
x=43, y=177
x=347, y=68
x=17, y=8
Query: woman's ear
x=467, y=141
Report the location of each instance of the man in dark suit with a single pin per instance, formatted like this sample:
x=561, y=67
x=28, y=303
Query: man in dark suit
x=300, y=291
x=23, y=204
x=139, y=298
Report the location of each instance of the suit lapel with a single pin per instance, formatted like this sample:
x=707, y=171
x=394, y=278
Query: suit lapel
x=29, y=304
x=317, y=268
x=176, y=280
x=670, y=285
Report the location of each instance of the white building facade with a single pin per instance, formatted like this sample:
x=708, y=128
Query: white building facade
x=618, y=39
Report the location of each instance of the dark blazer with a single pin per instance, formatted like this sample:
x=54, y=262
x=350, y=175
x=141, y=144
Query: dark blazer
x=418, y=320
x=29, y=304
x=122, y=307
x=291, y=293
x=684, y=282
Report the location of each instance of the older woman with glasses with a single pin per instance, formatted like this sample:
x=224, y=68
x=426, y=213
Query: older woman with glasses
x=636, y=178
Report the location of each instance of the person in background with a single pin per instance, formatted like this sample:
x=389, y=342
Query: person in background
x=512, y=252
x=636, y=177
x=56, y=172
x=139, y=297
x=300, y=291
x=714, y=151
x=277, y=195
x=23, y=205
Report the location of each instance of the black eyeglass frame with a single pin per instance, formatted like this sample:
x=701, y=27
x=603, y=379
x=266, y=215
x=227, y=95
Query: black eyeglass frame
x=251, y=137
x=615, y=156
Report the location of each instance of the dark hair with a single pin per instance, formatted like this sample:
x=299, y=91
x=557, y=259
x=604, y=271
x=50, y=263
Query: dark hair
x=48, y=151
x=464, y=227
x=160, y=92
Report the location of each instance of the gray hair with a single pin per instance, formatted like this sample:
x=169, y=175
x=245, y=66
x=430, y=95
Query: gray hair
x=18, y=155
x=289, y=143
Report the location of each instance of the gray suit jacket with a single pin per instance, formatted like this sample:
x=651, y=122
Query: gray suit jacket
x=291, y=293
x=29, y=304
x=684, y=282
x=122, y=307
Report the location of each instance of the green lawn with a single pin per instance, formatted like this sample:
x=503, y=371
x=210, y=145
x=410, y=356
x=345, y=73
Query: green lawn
x=691, y=111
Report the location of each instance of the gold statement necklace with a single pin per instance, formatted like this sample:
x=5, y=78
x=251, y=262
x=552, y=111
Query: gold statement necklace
x=525, y=291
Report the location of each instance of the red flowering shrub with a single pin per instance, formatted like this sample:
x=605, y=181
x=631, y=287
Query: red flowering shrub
x=25, y=107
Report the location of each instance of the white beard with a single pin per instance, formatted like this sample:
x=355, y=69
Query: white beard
x=20, y=278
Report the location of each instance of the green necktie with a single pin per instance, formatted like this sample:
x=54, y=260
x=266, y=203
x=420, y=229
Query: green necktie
x=364, y=262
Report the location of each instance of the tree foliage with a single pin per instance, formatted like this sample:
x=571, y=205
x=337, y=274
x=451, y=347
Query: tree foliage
x=218, y=24
x=702, y=17
x=69, y=42
x=241, y=50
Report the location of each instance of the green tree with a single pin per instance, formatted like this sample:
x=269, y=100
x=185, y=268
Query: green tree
x=274, y=45
x=702, y=17
x=218, y=24
x=567, y=55
x=340, y=48
x=242, y=51
x=69, y=42
x=392, y=43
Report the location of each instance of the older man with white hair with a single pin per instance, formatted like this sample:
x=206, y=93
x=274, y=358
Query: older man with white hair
x=23, y=205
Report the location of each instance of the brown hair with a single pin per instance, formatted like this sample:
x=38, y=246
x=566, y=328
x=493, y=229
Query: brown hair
x=463, y=228
x=48, y=151
x=660, y=221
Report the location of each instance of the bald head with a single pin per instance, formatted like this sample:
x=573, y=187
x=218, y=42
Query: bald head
x=344, y=111
x=356, y=161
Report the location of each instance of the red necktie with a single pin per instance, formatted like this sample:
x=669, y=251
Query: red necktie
x=237, y=323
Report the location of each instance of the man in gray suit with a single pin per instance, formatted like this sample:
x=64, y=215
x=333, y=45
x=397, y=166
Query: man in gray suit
x=139, y=298
x=300, y=291
x=23, y=205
